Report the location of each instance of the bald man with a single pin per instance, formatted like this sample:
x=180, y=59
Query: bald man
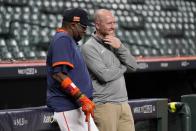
x=107, y=60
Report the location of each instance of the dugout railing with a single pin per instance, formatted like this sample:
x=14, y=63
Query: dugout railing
x=40, y=118
x=155, y=109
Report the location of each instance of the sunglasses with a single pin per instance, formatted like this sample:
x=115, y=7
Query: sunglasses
x=83, y=26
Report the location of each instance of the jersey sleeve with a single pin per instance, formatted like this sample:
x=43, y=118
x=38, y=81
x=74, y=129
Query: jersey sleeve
x=62, y=55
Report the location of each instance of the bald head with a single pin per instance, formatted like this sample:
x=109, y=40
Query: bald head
x=105, y=23
x=101, y=15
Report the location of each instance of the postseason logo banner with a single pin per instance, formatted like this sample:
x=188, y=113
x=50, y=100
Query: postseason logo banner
x=27, y=120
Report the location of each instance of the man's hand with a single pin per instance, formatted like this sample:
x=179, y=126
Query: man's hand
x=113, y=41
x=87, y=107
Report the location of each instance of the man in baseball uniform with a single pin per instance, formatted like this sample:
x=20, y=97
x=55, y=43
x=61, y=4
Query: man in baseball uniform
x=69, y=87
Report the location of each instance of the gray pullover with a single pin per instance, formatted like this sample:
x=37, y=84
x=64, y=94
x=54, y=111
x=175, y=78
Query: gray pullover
x=107, y=67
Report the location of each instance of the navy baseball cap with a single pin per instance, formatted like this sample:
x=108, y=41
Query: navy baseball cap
x=77, y=15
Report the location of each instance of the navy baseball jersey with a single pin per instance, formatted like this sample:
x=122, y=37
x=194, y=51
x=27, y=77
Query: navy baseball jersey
x=64, y=56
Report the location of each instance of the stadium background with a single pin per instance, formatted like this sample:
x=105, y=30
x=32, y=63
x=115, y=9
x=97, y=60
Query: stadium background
x=161, y=34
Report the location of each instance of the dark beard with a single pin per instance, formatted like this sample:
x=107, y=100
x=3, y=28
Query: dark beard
x=77, y=38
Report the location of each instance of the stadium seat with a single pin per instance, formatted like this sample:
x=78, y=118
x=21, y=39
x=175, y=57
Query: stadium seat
x=41, y=54
x=18, y=55
x=6, y=55
x=152, y=28
x=2, y=43
x=30, y=55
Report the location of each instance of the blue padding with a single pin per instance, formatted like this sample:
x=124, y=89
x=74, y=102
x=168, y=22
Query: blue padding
x=148, y=108
x=39, y=118
x=27, y=119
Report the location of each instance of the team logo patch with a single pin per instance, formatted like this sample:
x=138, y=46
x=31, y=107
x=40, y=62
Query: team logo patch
x=76, y=18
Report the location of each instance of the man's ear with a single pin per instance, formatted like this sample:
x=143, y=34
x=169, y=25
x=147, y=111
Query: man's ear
x=97, y=25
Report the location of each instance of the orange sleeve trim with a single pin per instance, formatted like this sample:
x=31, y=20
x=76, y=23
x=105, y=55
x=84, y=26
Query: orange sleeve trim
x=60, y=30
x=66, y=82
x=63, y=63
